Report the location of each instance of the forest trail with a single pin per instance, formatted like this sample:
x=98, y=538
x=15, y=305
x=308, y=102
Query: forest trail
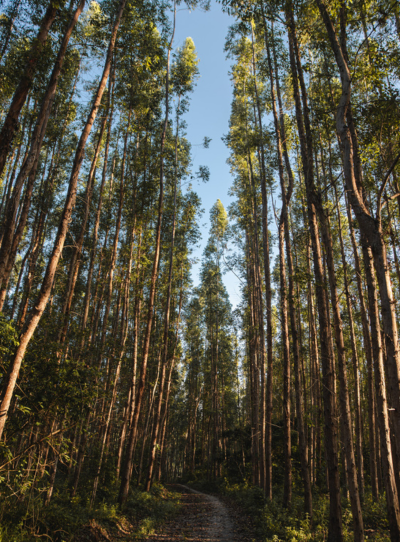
x=203, y=517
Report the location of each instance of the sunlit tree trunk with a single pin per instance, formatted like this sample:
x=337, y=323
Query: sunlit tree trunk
x=127, y=466
x=10, y=124
x=40, y=305
x=330, y=429
x=10, y=240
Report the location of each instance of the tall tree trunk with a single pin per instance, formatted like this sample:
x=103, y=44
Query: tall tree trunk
x=126, y=470
x=259, y=314
x=124, y=334
x=335, y=533
x=371, y=227
x=392, y=497
x=287, y=447
x=77, y=252
x=30, y=164
x=286, y=196
x=40, y=305
x=266, y=395
x=369, y=356
x=10, y=124
x=156, y=429
x=357, y=399
x=164, y=417
x=344, y=399
x=110, y=111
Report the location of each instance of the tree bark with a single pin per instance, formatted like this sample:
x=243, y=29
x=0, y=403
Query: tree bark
x=267, y=393
x=40, y=305
x=335, y=533
x=370, y=226
x=10, y=124
x=126, y=470
x=10, y=240
x=392, y=498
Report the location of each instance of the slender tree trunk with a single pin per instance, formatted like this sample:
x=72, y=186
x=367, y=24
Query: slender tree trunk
x=373, y=443
x=110, y=110
x=259, y=306
x=346, y=421
x=153, y=446
x=286, y=196
x=40, y=305
x=10, y=124
x=77, y=253
x=267, y=393
x=335, y=533
x=370, y=226
x=164, y=418
x=287, y=447
x=357, y=398
x=151, y=399
x=392, y=498
x=10, y=241
x=110, y=409
x=126, y=470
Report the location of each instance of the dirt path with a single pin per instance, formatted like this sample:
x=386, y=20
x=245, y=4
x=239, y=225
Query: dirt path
x=203, y=517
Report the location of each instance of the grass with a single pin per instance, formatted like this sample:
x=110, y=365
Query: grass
x=275, y=523
x=72, y=520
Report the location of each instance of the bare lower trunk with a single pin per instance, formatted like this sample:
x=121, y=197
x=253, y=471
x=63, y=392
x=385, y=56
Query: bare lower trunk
x=370, y=226
x=77, y=253
x=287, y=448
x=127, y=466
x=368, y=354
x=335, y=533
x=392, y=498
x=157, y=417
x=357, y=399
x=266, y=395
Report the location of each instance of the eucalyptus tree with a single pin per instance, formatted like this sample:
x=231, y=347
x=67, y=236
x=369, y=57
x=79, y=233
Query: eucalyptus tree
x=244, y=141
x=40, y=305
x=184, y=72
x=320, y=45
x=195, y=339
x=80, y=362
x=216, y=314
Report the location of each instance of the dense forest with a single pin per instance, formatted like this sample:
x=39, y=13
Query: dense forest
x=119, y=376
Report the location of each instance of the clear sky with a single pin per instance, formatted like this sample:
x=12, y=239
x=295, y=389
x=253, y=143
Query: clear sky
x=209, y=114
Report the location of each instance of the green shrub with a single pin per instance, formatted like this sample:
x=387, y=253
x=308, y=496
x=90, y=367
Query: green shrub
x=66, y=519
x=275, y=523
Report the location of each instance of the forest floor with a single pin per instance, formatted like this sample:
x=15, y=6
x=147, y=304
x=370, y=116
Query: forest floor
x=206, y=518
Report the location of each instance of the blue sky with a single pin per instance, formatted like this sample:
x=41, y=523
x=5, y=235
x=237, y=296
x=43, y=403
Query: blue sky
x=209, y=114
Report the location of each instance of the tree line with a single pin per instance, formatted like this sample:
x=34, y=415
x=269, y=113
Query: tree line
x=314, y=146
x=99, y=219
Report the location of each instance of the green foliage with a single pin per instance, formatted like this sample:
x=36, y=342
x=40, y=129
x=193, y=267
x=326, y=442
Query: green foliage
x=8, y=339
x=184, y=70
x=152, y=509
x=67, y=519
x=93, y=22
x=219, y=220
x=275, y=523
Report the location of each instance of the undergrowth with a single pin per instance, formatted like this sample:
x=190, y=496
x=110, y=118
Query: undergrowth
x=275, y=523
x=72, y=520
